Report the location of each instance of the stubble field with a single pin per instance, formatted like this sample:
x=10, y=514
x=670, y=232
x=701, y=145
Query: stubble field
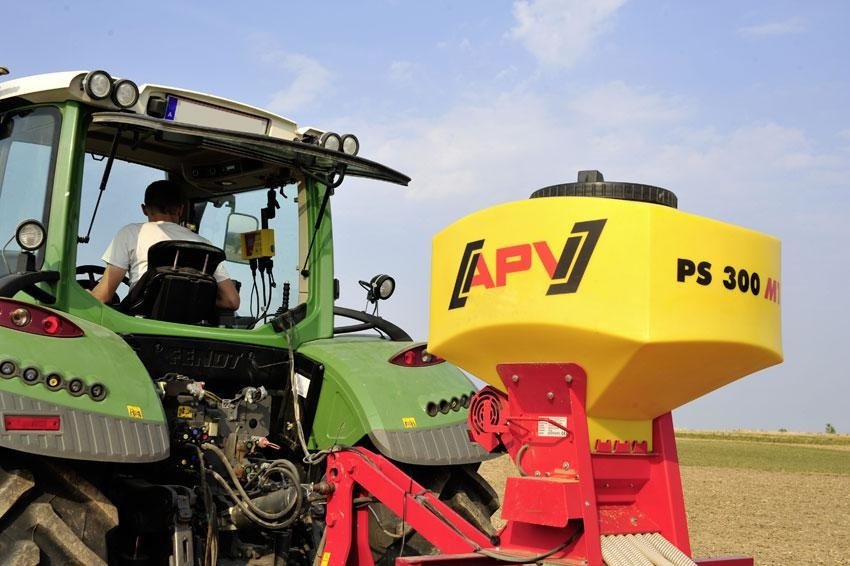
x=783, y=498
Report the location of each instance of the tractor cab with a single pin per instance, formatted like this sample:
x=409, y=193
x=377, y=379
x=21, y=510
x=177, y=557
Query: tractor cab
x=255, y=185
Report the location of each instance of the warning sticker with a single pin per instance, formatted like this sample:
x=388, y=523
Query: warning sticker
x=302, y=385
x=408, y=422
x=134, y=412
x=184, y=412
x=550, y=430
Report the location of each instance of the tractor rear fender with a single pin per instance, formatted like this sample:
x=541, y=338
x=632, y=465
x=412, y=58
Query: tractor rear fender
x=86, y=397
x=364, y=395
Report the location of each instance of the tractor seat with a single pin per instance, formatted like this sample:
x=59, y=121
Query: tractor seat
x=179, y=285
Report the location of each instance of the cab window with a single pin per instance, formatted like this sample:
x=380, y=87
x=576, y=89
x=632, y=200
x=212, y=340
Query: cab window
x=28, y=141
x=208, y=213
x=261, y=295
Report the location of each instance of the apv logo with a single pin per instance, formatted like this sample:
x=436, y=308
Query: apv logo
x=566, y=272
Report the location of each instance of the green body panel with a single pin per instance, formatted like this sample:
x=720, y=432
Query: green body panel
x=100, y=356
x=82, y=304
x=320, y=318
x=363, y=392
x=61, y=249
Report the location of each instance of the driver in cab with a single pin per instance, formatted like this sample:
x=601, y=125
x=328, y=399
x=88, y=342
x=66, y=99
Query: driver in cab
x=127, y=254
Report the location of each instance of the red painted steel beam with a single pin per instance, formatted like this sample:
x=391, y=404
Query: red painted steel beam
x=355, y=470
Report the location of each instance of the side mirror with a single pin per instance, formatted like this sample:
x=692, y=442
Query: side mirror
x=237, y=224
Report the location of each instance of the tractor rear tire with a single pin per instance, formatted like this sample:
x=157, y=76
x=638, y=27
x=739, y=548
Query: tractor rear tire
x=473, y=498
x=459, y=487
x=49, y=514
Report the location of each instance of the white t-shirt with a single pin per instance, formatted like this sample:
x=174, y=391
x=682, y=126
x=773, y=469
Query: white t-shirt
x=129, y=249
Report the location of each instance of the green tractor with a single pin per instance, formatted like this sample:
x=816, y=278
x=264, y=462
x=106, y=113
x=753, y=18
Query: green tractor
x=155, y=428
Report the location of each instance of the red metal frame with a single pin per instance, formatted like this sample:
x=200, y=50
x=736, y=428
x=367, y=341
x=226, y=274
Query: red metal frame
x=640, y=493
x=547, y=437
x=356, y=472
x=566, y=498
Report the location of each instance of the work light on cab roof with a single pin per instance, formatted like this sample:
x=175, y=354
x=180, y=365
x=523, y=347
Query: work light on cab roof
x=100, y=85
x=347, y=143
x=97, y=84
x=125, y=93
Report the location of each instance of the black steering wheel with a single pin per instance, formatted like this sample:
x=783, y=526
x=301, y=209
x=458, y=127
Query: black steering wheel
x=92, y=270
x=89, y=282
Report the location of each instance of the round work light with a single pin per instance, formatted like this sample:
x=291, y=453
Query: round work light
x=382, y=287
x=125, y=93
x=331, y=141
x=97, y=84
x=30, y=235
x=350, y=144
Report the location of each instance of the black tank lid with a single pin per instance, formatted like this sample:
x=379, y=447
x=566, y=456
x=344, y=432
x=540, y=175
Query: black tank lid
x=593, y=184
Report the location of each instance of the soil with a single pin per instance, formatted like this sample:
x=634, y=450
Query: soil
x=778, y=518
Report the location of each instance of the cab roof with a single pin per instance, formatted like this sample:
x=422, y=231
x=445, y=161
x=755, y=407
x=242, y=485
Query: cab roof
x=68, y=85
x=216, y=161
x=213, y=144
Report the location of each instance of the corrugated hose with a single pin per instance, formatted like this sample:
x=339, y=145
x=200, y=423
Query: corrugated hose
x=642, y=550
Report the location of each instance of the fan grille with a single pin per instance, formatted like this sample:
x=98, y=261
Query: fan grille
x=487, y=413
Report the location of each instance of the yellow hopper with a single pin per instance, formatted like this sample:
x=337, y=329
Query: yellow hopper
x=657, y=305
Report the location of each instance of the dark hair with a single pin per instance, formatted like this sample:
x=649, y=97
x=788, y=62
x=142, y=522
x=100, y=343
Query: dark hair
x=164, y=196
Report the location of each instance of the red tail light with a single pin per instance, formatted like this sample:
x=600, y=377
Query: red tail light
x=51, y=324
x=415, y=357
x=26, y=317
x=32, y=422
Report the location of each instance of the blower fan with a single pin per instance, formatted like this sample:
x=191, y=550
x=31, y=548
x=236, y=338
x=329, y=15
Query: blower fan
x=488, y=415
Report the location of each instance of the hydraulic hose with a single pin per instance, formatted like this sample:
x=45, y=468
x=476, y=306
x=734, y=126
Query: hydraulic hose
x=244, y=497
x=243, y=506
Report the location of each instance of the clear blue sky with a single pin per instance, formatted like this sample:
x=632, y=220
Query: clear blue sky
x=740, y=108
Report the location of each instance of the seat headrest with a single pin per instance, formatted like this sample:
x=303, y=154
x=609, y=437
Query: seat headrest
x=184, y=253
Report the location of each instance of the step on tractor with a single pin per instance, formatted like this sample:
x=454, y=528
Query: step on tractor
x=158, y=429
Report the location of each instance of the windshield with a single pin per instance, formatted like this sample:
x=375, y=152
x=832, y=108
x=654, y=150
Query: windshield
x=27, y=150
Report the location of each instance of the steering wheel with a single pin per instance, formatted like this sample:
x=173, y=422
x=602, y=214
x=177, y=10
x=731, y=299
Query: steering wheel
x=92, y=270
x=89, y=282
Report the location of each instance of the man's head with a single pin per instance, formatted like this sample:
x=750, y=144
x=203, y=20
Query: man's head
x=163, y=199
